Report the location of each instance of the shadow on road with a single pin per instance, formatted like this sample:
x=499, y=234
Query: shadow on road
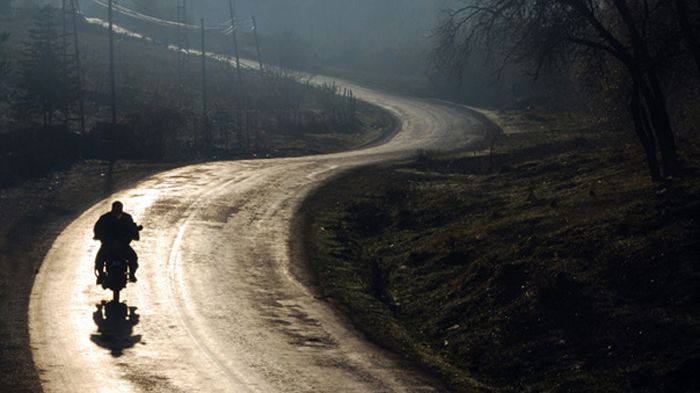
x=115, y=327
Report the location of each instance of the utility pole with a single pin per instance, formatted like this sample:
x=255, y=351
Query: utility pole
x=257, y=43
x=78, y=66
x=64, y=37
x=182, y=42
x=235, y=41
x=204, y=83
x=112, y=80
x=64, y=31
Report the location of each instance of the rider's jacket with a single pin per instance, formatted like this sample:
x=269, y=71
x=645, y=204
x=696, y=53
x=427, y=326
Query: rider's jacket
x=109, y=228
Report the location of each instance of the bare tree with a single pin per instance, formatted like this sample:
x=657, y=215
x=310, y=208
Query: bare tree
x=688, y=17
x=547, y=33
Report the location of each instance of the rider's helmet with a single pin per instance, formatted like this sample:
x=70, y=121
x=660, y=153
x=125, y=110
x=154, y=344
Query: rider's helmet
x=117, y=208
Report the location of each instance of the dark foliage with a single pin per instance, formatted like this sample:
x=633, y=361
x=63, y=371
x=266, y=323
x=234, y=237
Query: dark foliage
x=34, y=151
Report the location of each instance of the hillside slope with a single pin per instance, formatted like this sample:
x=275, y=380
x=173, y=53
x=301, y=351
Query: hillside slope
x=552, y=265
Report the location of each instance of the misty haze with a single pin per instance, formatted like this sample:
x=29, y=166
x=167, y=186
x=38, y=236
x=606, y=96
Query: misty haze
x=349, y=196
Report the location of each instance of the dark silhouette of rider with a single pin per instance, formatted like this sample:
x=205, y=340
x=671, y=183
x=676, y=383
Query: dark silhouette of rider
x=116, y=230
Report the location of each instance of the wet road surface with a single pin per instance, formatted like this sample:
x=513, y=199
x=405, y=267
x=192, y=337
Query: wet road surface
x=217, y=307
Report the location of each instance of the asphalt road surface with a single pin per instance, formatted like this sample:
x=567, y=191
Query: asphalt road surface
x=221, y=305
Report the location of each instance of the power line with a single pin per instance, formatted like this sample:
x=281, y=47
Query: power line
x=160, y=21
x=146, y=18
x=224, y=27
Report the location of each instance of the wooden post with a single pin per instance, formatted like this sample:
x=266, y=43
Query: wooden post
x=64, y=38
x=112, y=78
x=178, y=35
x=235, y=41
x=204, y=83
x=182, y=44
x=257, y=43
x=78, y=66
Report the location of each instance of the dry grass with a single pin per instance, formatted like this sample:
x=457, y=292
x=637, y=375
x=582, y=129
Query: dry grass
x=555, y=265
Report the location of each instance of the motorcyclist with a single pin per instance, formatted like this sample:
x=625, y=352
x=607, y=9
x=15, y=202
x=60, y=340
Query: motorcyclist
x=116, y=229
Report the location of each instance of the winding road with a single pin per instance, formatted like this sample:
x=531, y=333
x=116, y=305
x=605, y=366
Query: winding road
x=221, y=305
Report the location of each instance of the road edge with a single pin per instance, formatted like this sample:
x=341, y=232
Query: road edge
x=300, y=226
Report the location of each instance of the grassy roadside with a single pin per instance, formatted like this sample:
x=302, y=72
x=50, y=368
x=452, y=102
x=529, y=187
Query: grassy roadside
x=552, y=265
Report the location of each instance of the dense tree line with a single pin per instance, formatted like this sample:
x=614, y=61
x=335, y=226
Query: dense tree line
x=653, y=43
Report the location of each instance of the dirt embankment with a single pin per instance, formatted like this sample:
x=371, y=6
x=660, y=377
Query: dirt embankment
x=553, y=264
x=33, y=214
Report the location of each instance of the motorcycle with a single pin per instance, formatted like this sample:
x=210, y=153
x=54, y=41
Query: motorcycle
x=114, y=274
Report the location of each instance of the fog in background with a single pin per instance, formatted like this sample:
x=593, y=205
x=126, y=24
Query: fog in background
x=388, y=43
x=389, y=36
x=347, y=23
